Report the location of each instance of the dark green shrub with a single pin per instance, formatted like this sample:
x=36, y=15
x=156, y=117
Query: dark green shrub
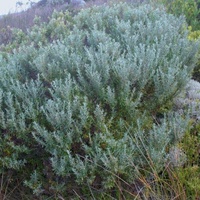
x=189, y=8
x=195, y=36
x=189, y=174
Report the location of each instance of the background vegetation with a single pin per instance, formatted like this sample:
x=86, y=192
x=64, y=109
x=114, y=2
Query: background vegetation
x=86, y=98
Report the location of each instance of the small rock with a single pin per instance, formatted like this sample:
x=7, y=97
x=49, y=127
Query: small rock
x=78, y=2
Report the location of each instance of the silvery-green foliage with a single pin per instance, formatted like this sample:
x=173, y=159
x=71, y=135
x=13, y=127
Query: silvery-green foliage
x=152, y=145
x=35, y=183
x=20, y=104
x=10, y=156
x=19, y=108
x=148, y=53
x=88, y=104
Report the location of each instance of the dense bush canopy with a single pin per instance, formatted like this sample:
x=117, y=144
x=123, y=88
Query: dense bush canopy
x=85, y=101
